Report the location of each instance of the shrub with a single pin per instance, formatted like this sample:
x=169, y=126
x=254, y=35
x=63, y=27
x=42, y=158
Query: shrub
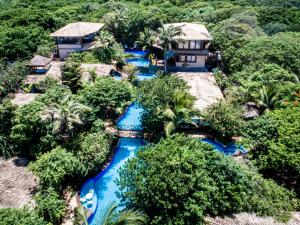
x=94, y=150
x=157, y=93
x=30, y=134
x=22, y=216
x=281, y=49
x=53, y=167
x=107, y=96
x=50, y=206
x=181, y=180
x=225, y=118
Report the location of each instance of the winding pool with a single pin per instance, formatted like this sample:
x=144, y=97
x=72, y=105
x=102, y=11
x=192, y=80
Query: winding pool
x=145, y=76
x=104, y=185
x=227, y=150
x=131, y=119
x=137, y=53
x=139, y=62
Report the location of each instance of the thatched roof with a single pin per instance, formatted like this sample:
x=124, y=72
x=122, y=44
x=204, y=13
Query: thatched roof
x=39, y=60
x=100, y=69
x=251, y=219
x=192, y=31
x=33, y=79
x=21, y=99
x=78, y=29
x=17, y=183
x=54, y=72
x=203, y=86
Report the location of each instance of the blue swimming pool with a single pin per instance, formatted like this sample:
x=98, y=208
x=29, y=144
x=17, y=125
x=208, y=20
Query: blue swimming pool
x=103, y=185
x=139, y=62
x=137, y=53
x=227, y=150
x=131, y=119
x=145, y=76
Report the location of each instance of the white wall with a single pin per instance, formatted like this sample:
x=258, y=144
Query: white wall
x=200, y=62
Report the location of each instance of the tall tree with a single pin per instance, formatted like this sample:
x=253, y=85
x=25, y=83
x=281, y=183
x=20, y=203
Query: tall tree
x=166, y=36
x=147, y=39
x=66, y=116
x=179, y=111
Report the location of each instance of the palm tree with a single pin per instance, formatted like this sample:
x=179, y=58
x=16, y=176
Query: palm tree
x=180, y=112
x=126, y=217
x=268, y=98
x=147, y=39
x=104, y=40
x=66, y=115
x=166, y=36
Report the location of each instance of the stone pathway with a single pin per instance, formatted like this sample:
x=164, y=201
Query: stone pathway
x=17, y=183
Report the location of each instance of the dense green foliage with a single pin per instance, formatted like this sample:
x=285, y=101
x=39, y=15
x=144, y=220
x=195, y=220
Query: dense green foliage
x=275, y=138
x=20, y=217
x=53, y=167
x=10, y=76
x=50, y=206
x=260, y=45
x=93, y=152
x=225, y=118
x=155, y=96
x=180, y=180
x=106, y=96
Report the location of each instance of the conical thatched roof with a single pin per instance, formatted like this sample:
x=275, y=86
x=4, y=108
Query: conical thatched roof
x=78, y=29
x=39, y=60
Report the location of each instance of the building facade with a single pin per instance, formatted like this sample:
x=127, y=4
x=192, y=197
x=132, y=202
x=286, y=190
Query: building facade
x=74, y=37
x=192, y=52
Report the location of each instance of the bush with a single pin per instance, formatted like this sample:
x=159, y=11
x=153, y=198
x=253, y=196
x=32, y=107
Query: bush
x=71, y=75
x=50, y=206
x=277, y=145
x=107, y=96
x=281, y=49
x=22, y=216
x=181, y=180
x=11, y=76
x=225, y=118
x=157, y=93
x=94, y=150
x=53, y=167
x=29, y=132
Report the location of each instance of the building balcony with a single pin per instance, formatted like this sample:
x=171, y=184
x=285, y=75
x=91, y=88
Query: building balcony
x=191, y=51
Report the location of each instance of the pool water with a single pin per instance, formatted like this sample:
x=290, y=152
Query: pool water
x=104, y=184
x=131, y=119
x=227, y=150
x=139, y=62
x=137, y=53
x=145, y=76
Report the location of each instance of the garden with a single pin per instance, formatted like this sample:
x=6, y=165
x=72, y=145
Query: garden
x=70, y=133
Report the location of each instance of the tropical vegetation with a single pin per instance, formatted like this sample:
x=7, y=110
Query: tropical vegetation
x=175, y=179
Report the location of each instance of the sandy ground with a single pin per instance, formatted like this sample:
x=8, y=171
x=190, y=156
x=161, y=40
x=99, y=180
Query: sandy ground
x=251, y=219
x=17, y=184
x=203, y=86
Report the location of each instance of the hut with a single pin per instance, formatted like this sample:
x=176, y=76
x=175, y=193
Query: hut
x=39, y=64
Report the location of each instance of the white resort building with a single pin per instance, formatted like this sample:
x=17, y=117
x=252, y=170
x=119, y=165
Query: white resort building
x=77, y=36
x=194, y=50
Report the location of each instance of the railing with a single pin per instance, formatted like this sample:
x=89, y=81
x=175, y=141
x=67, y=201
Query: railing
x=130, y=127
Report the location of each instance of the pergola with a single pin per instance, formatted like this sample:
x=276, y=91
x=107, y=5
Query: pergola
x=39, y=64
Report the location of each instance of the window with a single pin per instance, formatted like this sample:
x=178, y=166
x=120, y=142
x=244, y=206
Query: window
x=192, y=44
x=180, y=45
x=182, y=58
x=198, y=44
x=187, y=58
x=186, y=45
